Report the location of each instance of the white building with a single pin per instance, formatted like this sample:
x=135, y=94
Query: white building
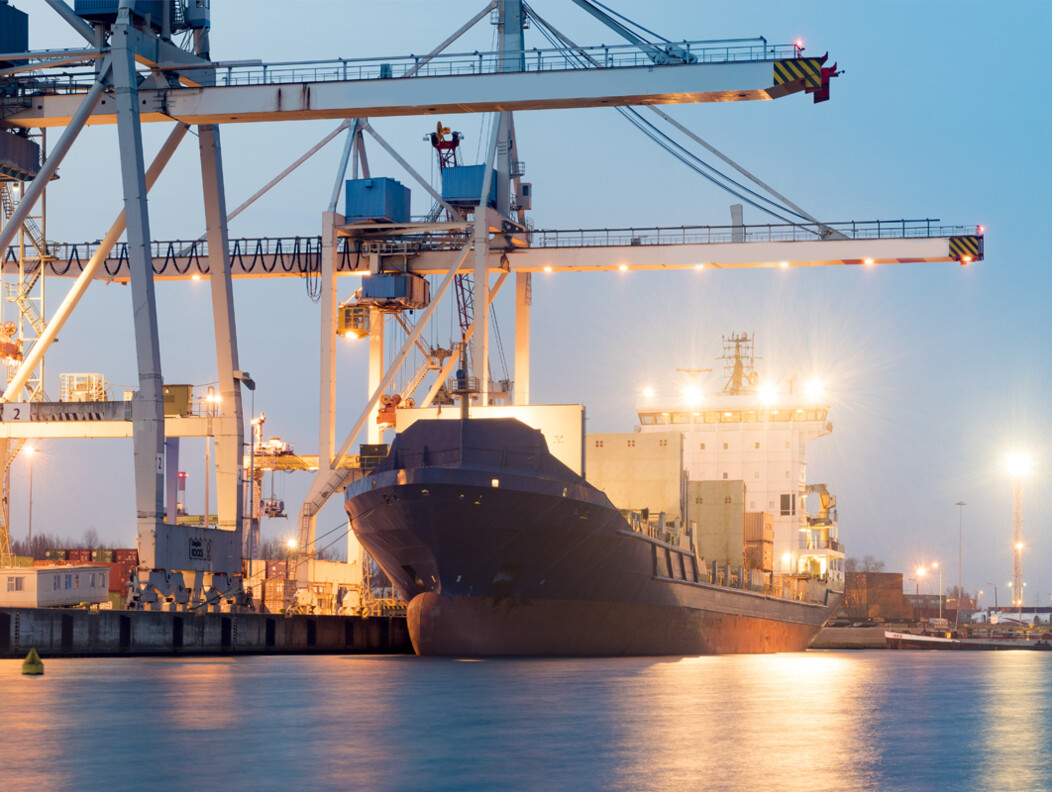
x=53, y=586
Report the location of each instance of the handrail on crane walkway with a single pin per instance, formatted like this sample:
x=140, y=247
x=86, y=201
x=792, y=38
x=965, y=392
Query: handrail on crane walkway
x=441, y=65
x=301, y=255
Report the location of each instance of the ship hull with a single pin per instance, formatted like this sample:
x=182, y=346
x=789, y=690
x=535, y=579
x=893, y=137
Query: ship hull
x=497, y=559
x=485, y=626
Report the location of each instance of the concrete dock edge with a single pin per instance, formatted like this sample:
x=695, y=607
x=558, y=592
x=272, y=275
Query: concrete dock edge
x=82, y=633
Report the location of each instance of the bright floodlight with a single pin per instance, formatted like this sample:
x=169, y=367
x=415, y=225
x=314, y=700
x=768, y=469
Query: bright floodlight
x=921, y=571
x=648, y=392
x=768, y=392
x=692, y=395
x=30, y=450
x=292, y=544
x=814, y=389
x=1018, y=464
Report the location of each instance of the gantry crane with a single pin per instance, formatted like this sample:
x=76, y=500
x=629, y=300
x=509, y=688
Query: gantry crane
x=139, y=75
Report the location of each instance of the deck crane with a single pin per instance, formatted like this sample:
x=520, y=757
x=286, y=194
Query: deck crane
x=138, y=75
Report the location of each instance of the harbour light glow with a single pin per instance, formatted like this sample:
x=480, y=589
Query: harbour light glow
x=814, y=389
x=768, y=392
x=648, y=392
x=692, y=395
x=1018, y=464
x=622, y=267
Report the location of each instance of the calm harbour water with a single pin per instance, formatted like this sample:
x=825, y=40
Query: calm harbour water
x=814, y=721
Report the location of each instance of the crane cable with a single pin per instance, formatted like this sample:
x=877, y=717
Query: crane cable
x=677, y=150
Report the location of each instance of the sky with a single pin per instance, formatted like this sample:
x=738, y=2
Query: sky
x=935, y=371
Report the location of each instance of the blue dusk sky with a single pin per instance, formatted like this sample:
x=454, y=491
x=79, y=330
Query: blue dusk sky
x=934, y=371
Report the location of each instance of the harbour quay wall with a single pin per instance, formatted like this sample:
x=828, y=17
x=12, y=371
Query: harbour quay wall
x=58, y=632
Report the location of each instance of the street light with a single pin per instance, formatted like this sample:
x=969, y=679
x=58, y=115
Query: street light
x=30, y=453
x=1018, y=465
x=960, y=560
x=935, y=565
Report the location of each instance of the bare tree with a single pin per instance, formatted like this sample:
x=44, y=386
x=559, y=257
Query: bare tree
x=91, y=538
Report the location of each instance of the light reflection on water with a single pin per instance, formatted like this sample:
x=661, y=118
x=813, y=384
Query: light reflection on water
x=815, y=721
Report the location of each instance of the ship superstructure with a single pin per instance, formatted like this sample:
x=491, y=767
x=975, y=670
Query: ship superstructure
x=756, y=432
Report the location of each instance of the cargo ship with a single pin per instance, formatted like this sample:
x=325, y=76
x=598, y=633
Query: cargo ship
x=501, y=547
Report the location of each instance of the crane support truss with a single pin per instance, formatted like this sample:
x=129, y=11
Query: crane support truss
x=466, y=83
x=878, y=242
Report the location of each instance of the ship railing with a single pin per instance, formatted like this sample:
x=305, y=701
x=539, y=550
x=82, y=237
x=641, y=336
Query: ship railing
x=386, y=606
x=768, y=232
x=619, y=56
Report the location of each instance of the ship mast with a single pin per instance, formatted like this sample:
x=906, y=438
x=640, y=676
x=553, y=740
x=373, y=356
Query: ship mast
x=739, y=364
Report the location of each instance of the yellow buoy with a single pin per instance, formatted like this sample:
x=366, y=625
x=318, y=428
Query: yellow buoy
x=33, y=664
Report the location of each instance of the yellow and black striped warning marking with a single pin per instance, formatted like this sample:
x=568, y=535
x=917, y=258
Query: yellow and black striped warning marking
x=807, y=69
x=966, y=247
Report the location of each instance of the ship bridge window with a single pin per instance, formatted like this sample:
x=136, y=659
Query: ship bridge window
x=750, y=416
x=681, y=418
x=712, y=417
x=732, y=417
x=647, y=419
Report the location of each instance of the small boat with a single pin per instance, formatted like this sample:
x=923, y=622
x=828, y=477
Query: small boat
x=898, y=640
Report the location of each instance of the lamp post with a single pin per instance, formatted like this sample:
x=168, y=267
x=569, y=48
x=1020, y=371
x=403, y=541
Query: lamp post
x=1018, y=465
x=30, y=453
x=960, y=559
x=935, y=565
x=918, y=575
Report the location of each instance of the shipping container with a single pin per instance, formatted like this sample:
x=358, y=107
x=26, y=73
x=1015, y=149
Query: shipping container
x=55, y=555
x=78, y=554
x=126, y=555
x=463, y=185
x=759, y=555
x=102, y=555
x=759, y=527
x=378, y=200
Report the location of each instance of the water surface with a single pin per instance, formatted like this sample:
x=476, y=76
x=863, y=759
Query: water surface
x=794, y=722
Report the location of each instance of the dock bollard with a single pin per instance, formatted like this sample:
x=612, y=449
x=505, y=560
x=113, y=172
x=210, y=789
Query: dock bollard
x=33, y=665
